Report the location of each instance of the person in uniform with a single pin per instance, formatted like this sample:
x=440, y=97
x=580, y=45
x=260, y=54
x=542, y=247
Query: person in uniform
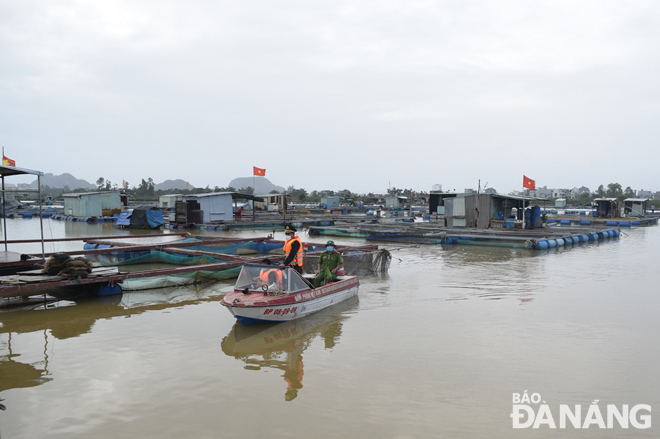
x=293, y=250
x=330, y=262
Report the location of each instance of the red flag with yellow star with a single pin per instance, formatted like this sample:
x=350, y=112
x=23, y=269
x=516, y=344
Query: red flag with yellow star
x=6, y=161
x=528, y=183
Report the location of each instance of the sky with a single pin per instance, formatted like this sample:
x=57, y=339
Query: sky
x=360, y=95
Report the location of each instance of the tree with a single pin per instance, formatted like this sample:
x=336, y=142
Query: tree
x=601, y=191
x=614, y=190
x=302, y=195
x=100, y=183
x=629, y=193
x=296, y=194
x=150, y=186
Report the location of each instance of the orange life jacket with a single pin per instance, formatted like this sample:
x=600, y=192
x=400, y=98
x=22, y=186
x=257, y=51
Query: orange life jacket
x=298, y=259
x=265, y=274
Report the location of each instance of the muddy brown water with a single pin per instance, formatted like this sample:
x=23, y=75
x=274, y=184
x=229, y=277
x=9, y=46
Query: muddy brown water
x=435, y=348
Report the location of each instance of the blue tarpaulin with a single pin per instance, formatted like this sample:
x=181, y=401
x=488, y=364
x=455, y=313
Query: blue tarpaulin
x=155, y=218
x=141, y=218
x=124, y=218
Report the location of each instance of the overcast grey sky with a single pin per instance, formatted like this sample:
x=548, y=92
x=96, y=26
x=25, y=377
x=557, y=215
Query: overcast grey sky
x=335, y=94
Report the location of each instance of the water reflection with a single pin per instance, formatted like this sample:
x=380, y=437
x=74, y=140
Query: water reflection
x=15, y=374
x=280, y=346
x=63, y=320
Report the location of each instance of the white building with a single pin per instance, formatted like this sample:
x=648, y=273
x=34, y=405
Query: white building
x=169, y=201
x=215, y=206
x=560, y=193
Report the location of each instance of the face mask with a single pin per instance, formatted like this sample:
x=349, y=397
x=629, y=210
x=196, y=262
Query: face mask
x=329, y=248
x=288, y=237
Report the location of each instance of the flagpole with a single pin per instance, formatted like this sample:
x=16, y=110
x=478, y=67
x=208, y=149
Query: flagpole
x=523, y=209
x=254, y=193
x=523, y=203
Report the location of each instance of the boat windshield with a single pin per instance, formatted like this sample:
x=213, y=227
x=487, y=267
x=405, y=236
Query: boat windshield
x=270, y=278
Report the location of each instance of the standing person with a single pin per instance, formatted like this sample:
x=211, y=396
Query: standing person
x=293, y=250
x=330, y=262
x=239, y=213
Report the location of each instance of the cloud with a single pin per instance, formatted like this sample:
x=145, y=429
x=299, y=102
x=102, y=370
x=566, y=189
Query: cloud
x=201, y=91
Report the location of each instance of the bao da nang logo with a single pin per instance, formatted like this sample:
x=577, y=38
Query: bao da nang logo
x=530, y=411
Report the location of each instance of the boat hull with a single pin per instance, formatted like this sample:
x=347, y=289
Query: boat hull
x=296, y=306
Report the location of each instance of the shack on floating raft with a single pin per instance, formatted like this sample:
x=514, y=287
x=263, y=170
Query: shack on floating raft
x=635, y=206
x=484, y=211
x=607, y=208
x=90, y=204
x=271, y=202
x=217, y=206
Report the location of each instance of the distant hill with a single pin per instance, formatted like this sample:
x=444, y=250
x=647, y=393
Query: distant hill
x=60, y=181
x=173, y=184
x=264, y=186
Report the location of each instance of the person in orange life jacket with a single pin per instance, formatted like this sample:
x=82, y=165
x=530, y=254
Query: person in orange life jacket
x=270, y=276
x=293, y=250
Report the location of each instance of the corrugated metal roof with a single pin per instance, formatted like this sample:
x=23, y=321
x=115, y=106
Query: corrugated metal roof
x=6, y=171
x=516, y=197
x=78, y=194
x=236, y=195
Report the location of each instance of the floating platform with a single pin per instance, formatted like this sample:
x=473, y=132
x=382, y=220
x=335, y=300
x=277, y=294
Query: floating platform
x=425, y=233
x=190, y=261
x=604, y=222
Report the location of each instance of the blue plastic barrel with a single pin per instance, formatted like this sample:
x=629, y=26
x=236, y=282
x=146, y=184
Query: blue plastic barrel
x=585, y=222
x=109, y=290
x=565, y=222
x=536, y=215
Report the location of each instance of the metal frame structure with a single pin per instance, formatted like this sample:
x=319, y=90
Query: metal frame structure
x=7, y=171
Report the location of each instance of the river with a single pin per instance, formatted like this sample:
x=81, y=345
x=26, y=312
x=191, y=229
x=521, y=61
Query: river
x=435, y=348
